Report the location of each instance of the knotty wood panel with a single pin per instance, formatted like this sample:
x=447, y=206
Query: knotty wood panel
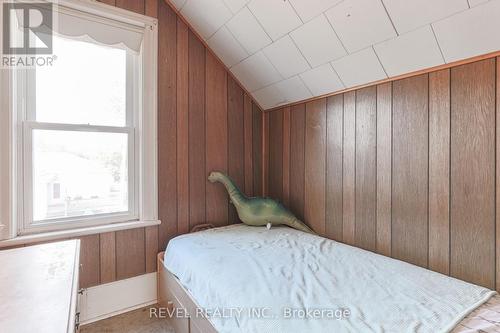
x=473, y=173
x=236, y=144
x=384, y=167
x=130, y=253
x=315, y=165
x=334, y=132
x=276, y=156
x=366, y=171
x=89, y=261
x=286, y=156
x=182, y=127
x=439, y=170
x=297, y=155
x=197, y=179
x=216, y=138
x=167, y=120
x=410, y=170
x=349, y=167
x=107, y=249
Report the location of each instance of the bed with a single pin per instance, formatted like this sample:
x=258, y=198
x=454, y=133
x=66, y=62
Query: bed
x=249, y=279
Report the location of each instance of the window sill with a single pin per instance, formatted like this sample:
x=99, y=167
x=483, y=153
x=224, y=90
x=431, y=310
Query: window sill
x=70, y=233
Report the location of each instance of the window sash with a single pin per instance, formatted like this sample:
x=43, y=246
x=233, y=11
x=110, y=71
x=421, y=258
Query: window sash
x=27, y=87
x=29, y=225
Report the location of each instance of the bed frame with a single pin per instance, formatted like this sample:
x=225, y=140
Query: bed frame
x=177, y=301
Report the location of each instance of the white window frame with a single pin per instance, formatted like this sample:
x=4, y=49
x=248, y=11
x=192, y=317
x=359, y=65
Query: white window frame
x=16, y=145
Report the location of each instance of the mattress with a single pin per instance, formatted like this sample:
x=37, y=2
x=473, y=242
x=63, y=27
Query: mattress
x=250, y=279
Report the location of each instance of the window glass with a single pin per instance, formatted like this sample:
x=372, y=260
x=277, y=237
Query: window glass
x=79, y=174
x=85, y=85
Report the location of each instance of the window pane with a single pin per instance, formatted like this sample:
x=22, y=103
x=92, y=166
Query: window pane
x=86, y=85
x=79, y=174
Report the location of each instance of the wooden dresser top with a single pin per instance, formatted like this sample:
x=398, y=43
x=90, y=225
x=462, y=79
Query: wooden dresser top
x=38, y=286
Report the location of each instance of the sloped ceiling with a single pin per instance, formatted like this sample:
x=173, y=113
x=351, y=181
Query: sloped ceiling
x=285, y=51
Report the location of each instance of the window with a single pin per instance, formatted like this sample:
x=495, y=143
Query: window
x=79, y=132
x=86, y=145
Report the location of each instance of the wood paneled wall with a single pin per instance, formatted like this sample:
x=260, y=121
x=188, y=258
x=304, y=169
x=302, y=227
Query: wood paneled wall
x=407, y=168
x=205, y=122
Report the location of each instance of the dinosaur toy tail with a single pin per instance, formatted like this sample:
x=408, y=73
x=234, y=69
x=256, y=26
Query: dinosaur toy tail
x=299, y=225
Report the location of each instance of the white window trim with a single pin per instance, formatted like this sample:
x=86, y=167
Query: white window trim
x=145, y=133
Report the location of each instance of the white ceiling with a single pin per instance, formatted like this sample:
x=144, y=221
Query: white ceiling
x=284, y=51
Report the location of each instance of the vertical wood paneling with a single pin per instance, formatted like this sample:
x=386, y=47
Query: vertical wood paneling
x=197, y=179
x=497, y=177
x=384, y=165
x=257, y=150
x=236, y=158
x=151, y=248
x=130, y=253
x=107, y=247
x=132, y=5
x=473, y=173
x=216, y=138
x=167, y=131
x=248, y=137
x=265, y=154
x=297, y=156
x=410, y=170
x=439, y=171
x=349, y=167
x=151, y=8
x=366, y=170
x=286, y=156
x=315, y=165
x=334, y=133
x=182, y=128
x=89, y=261
x=275, y=179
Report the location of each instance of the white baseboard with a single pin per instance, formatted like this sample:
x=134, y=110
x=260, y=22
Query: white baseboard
x=110, y=299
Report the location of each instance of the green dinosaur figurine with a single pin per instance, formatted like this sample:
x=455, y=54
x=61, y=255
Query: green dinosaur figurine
x=258, y=211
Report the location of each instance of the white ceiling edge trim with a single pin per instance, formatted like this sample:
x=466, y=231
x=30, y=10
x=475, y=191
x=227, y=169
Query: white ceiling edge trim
x=480, y=17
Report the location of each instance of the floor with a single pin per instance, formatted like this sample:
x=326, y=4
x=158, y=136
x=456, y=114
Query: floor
x=137, y=321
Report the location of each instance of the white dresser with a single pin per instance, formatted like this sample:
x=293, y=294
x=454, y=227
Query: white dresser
x=39, y=288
